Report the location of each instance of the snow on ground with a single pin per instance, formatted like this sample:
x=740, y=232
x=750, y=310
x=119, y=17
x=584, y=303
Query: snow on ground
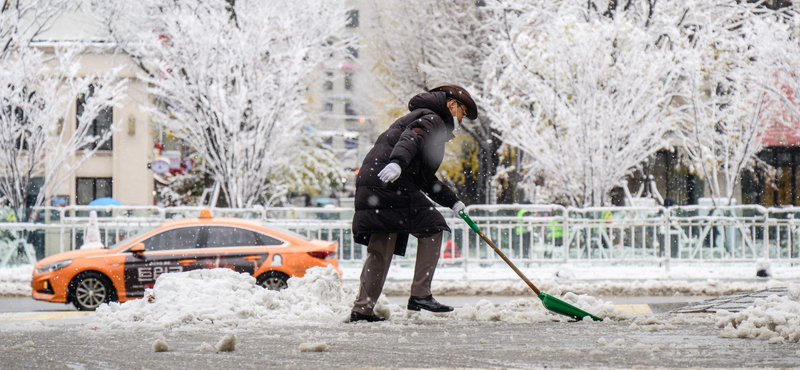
x=775, y=319
x=599, y=270
x=698, y=280
x=709, y=279
x=710, y=287
x=16, y=281
x=224, y=297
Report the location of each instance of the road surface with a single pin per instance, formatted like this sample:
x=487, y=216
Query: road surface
x=61, y=338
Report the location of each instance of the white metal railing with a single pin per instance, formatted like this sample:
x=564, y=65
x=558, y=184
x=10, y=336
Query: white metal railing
x=526, y=233
x=734, y=233
x=630, y=234
x=781, y=234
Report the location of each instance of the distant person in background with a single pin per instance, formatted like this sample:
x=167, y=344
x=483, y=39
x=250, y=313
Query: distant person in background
x=556, y=230
x=523, y=232
x=392, y=190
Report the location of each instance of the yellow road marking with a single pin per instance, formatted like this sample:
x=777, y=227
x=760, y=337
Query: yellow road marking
x=633, y=308
x=46, y=316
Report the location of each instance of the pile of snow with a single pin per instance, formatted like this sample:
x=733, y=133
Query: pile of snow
x=775, y=319
x=566, y=271
x=531, y=310
x=224, y=297
x=523, y=310
x=16, y=281
x=227, y=343
x=160, y=346
x=763, y=267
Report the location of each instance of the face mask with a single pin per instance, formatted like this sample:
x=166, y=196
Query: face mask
x=455, y=124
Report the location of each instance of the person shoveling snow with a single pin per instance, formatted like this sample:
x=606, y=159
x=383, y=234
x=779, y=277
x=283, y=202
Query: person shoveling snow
x=392, y=189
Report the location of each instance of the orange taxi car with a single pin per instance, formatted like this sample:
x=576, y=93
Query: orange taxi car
x=88, y=278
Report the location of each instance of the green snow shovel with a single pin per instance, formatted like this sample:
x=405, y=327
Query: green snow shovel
x=551, y=303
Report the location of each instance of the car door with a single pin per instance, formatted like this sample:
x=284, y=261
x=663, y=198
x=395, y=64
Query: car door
x=236, y=248
x=173, y=250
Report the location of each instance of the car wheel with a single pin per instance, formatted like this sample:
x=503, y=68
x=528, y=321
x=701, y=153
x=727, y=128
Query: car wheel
x=91, y=289
x=273, y=280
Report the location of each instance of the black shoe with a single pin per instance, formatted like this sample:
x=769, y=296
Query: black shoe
x=427, y=304
x=355, y=317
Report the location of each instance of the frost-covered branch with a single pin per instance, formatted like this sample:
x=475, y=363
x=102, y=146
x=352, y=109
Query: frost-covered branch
x=234, y=87
x=585, y=96
x=37, y=91
x=733, y=64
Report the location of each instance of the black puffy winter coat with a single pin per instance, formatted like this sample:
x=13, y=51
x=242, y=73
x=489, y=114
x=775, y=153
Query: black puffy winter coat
x=416, y=143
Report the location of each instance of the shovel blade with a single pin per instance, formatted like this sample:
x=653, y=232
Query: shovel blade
x=560, y=307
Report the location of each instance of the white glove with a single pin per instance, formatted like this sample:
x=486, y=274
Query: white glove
x=459, y=206
x=390, y=173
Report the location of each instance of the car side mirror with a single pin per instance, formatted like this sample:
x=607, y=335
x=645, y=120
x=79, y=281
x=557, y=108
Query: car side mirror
x=138, y=249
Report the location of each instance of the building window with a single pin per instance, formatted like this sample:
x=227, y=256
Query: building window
x=352, y=19
x=348, y=81
x=100, y=125
x=329, y=107
x=328, y=80
x=351, y=144
x=350, y=109
x=352, y=51
x=350, y=112
x=88, y=189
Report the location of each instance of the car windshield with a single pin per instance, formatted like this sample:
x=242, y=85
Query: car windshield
x=133, y=234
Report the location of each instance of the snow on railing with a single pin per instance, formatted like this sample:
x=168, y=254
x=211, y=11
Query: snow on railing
x=617, y=233
x=731, y=233
x=526, y=233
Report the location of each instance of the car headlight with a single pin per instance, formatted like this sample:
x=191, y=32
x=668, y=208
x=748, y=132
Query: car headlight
x=53, y=266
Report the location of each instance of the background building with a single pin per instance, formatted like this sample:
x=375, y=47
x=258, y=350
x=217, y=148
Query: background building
x=119, y=169
x=343, y=101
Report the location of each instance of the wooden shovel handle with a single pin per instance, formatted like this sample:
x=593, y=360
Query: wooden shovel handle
x=510, y=264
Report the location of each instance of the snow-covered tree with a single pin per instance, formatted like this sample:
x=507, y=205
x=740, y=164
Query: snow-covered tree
x=422, y=44
x=733, y=57
x=585, y=91
x=783, y=48
x=37, y=91
x=184, y=187
x=229, y=78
